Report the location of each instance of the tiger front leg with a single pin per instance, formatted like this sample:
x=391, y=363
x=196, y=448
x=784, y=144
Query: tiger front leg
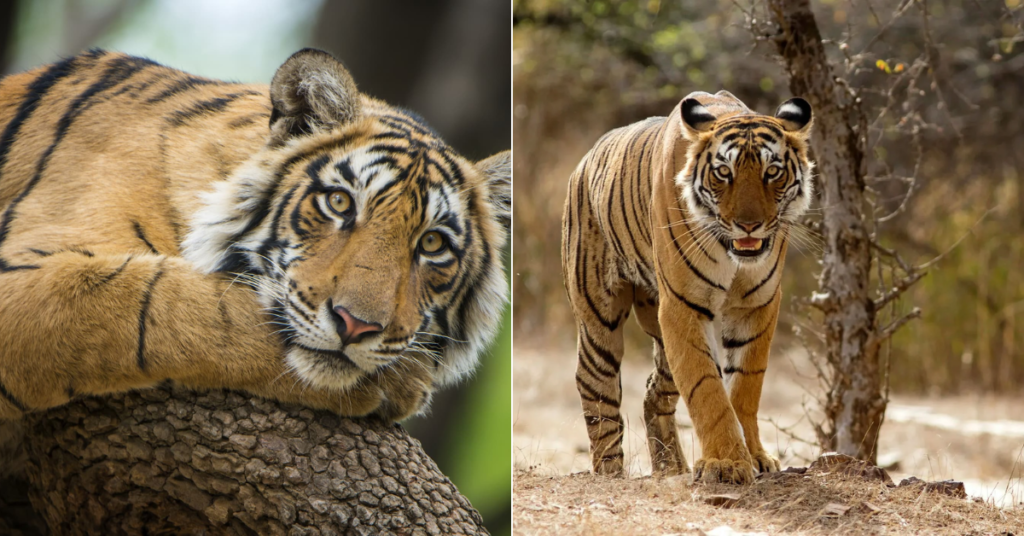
x=725, y=457
x=748, y=342
x=85, y=322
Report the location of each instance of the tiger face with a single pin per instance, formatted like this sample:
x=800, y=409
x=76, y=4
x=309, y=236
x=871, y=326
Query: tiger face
x=747, y=175
x=371, y=242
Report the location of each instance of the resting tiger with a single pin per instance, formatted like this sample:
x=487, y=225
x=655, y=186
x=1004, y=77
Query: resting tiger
x=685, y=220
x=301, y=241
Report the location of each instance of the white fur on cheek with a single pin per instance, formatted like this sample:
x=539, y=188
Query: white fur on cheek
x=225, y=213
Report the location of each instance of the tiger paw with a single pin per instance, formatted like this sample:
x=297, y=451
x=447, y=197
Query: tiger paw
x=404, y=391
x=765, y=463
x=712, y=470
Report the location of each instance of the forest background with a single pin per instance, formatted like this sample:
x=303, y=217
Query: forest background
x=583, y=68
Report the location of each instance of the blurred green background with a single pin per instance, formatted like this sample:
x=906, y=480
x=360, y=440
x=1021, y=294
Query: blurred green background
x=581, y=68
x=447, y=59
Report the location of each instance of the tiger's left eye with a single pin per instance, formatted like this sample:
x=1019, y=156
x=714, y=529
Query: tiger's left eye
x=340, y=202
x=722, y=171
x=433, y=242
x=772, y=172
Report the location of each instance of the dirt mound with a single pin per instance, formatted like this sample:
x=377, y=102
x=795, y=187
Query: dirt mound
x=832, y=496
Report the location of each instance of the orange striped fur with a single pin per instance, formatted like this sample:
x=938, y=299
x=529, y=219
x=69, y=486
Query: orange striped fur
x=685, y=220
x=301, y=241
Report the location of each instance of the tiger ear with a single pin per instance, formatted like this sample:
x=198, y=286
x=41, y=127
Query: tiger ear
x=696, y=118
x=795, y=116
x=311, y=91
x=497, y=170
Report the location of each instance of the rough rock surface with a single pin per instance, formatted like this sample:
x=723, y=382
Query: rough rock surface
x=173, y=461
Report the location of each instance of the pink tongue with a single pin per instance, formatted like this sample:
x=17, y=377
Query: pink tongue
x=748, y=242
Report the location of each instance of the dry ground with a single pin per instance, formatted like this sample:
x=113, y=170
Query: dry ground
x=977, y=440
x=805, y=504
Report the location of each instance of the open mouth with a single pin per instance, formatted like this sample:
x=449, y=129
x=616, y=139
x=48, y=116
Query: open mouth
x=748, y=247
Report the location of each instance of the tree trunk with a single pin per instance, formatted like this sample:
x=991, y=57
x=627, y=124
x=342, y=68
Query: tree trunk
x=854, y=406
x=177, y=462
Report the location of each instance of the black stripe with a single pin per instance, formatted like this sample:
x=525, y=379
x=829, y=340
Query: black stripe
x=181, y=86
x=142, y=236
x=141, y=356
x=275, y=222
x=663, y=283
x=739, y=343
x=207, y=107
x=245, y=120
x=309, y=320
x=11, y=398
x=701, y=310
x=615, y=430
x=264, y=206
x=679, y=250
x=590, y=394
x=116, y=72
x=605, y=356
x=689, y=231
x=740, y=370
x=763, y=305
x=704, y=351
x=345, y=169
x=610, y=324
x=594, y=420
x=766, y=279
x=700, y=382
x=33, y=96
x=115, y=273
x=314, y=168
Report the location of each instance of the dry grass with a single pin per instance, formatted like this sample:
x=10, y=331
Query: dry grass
x=783, y=503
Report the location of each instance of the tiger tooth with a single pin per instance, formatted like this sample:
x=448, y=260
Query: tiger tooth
x=755, y=246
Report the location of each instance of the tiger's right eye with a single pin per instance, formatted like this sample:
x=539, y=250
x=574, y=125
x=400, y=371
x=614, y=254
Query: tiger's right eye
x=339, y=202
x=722, y=171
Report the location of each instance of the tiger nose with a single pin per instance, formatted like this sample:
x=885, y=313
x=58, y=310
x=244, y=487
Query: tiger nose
x=749, y=226
x=352, y=329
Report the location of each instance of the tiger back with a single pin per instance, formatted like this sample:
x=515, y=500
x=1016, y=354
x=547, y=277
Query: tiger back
x=685, y=220
x=300, y=241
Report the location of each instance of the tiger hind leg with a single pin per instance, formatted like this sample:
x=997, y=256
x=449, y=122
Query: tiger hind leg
x=600, y=350
x=661, y=398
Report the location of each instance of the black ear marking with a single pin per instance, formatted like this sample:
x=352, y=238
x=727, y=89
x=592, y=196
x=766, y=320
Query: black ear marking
x=696, y=116
x=795, y=115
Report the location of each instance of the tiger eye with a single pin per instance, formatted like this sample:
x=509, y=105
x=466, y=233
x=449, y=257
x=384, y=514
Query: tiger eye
x=340, y=202
x=772, y=171
x=722, y=171
x=432, y=242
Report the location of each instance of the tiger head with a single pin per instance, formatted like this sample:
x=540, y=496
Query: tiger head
x=747, y=175
x=372, y=242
